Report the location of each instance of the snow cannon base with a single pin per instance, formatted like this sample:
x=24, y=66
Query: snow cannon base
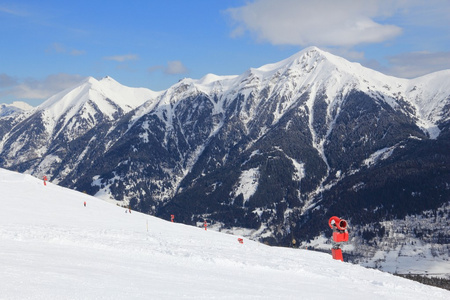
x=340, y=237
x=337, y=254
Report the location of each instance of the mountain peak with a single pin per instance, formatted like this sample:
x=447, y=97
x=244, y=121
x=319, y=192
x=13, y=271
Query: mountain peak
x=104, y=80
x=14, y=108
x=310, y=51
x=307, y=56
x=20, y=105
x=97, y=91
x=108, y=79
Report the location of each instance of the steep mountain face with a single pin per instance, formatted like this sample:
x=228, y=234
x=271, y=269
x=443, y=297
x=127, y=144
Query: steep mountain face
x=59, y=137
x=276, y=150
x=11, y=114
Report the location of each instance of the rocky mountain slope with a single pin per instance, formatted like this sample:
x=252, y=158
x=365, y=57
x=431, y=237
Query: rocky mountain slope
x=276, y=150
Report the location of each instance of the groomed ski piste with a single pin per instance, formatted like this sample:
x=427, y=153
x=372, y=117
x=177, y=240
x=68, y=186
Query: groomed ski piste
x=53, y=247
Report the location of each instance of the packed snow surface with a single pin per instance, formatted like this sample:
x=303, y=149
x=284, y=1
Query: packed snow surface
x=53, y=247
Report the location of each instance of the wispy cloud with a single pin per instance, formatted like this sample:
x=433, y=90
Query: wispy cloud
x=122, y=58
x=12, y=11
x=32, y=88
x=56, y=48
x=173, y=67
x=343, y=23
x=76, y=52
x=62, y=49
x=7, y=81
x=414, y=64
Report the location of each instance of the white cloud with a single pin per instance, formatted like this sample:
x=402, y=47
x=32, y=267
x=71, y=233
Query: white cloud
x=122, y=58
x=173, y=67
x=7, y=81
x=32, y=88
x=340, y=26
x=415, y=64
x=343, y=23
x=61, y=49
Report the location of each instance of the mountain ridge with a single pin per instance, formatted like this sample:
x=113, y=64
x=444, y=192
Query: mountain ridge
x=275, y=150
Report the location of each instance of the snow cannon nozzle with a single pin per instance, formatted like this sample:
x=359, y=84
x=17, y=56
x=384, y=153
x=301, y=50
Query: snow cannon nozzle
x=340, y=224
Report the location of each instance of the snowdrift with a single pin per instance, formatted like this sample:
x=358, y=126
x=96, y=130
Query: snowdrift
x=53, y=247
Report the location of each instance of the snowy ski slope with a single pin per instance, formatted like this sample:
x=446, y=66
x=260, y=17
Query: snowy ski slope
x=52, y=247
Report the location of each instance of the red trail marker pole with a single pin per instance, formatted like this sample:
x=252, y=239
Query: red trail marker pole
x=205, y=224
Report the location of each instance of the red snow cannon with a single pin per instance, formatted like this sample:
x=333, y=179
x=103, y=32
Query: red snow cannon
x=339, y=226
x=340, y=235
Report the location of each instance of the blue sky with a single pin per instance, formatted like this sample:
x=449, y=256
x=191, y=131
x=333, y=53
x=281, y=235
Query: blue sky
x=49, y=45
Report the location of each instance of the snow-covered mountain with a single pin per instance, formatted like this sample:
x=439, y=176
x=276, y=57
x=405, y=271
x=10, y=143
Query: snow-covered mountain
x=55, y=247
x=14, y=108
x=41, y=143
x=276, y=150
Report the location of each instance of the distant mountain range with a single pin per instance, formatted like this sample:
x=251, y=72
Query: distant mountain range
x=273, y=152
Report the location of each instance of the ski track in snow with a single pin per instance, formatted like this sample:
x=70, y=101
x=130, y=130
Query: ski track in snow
x=52, y=247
